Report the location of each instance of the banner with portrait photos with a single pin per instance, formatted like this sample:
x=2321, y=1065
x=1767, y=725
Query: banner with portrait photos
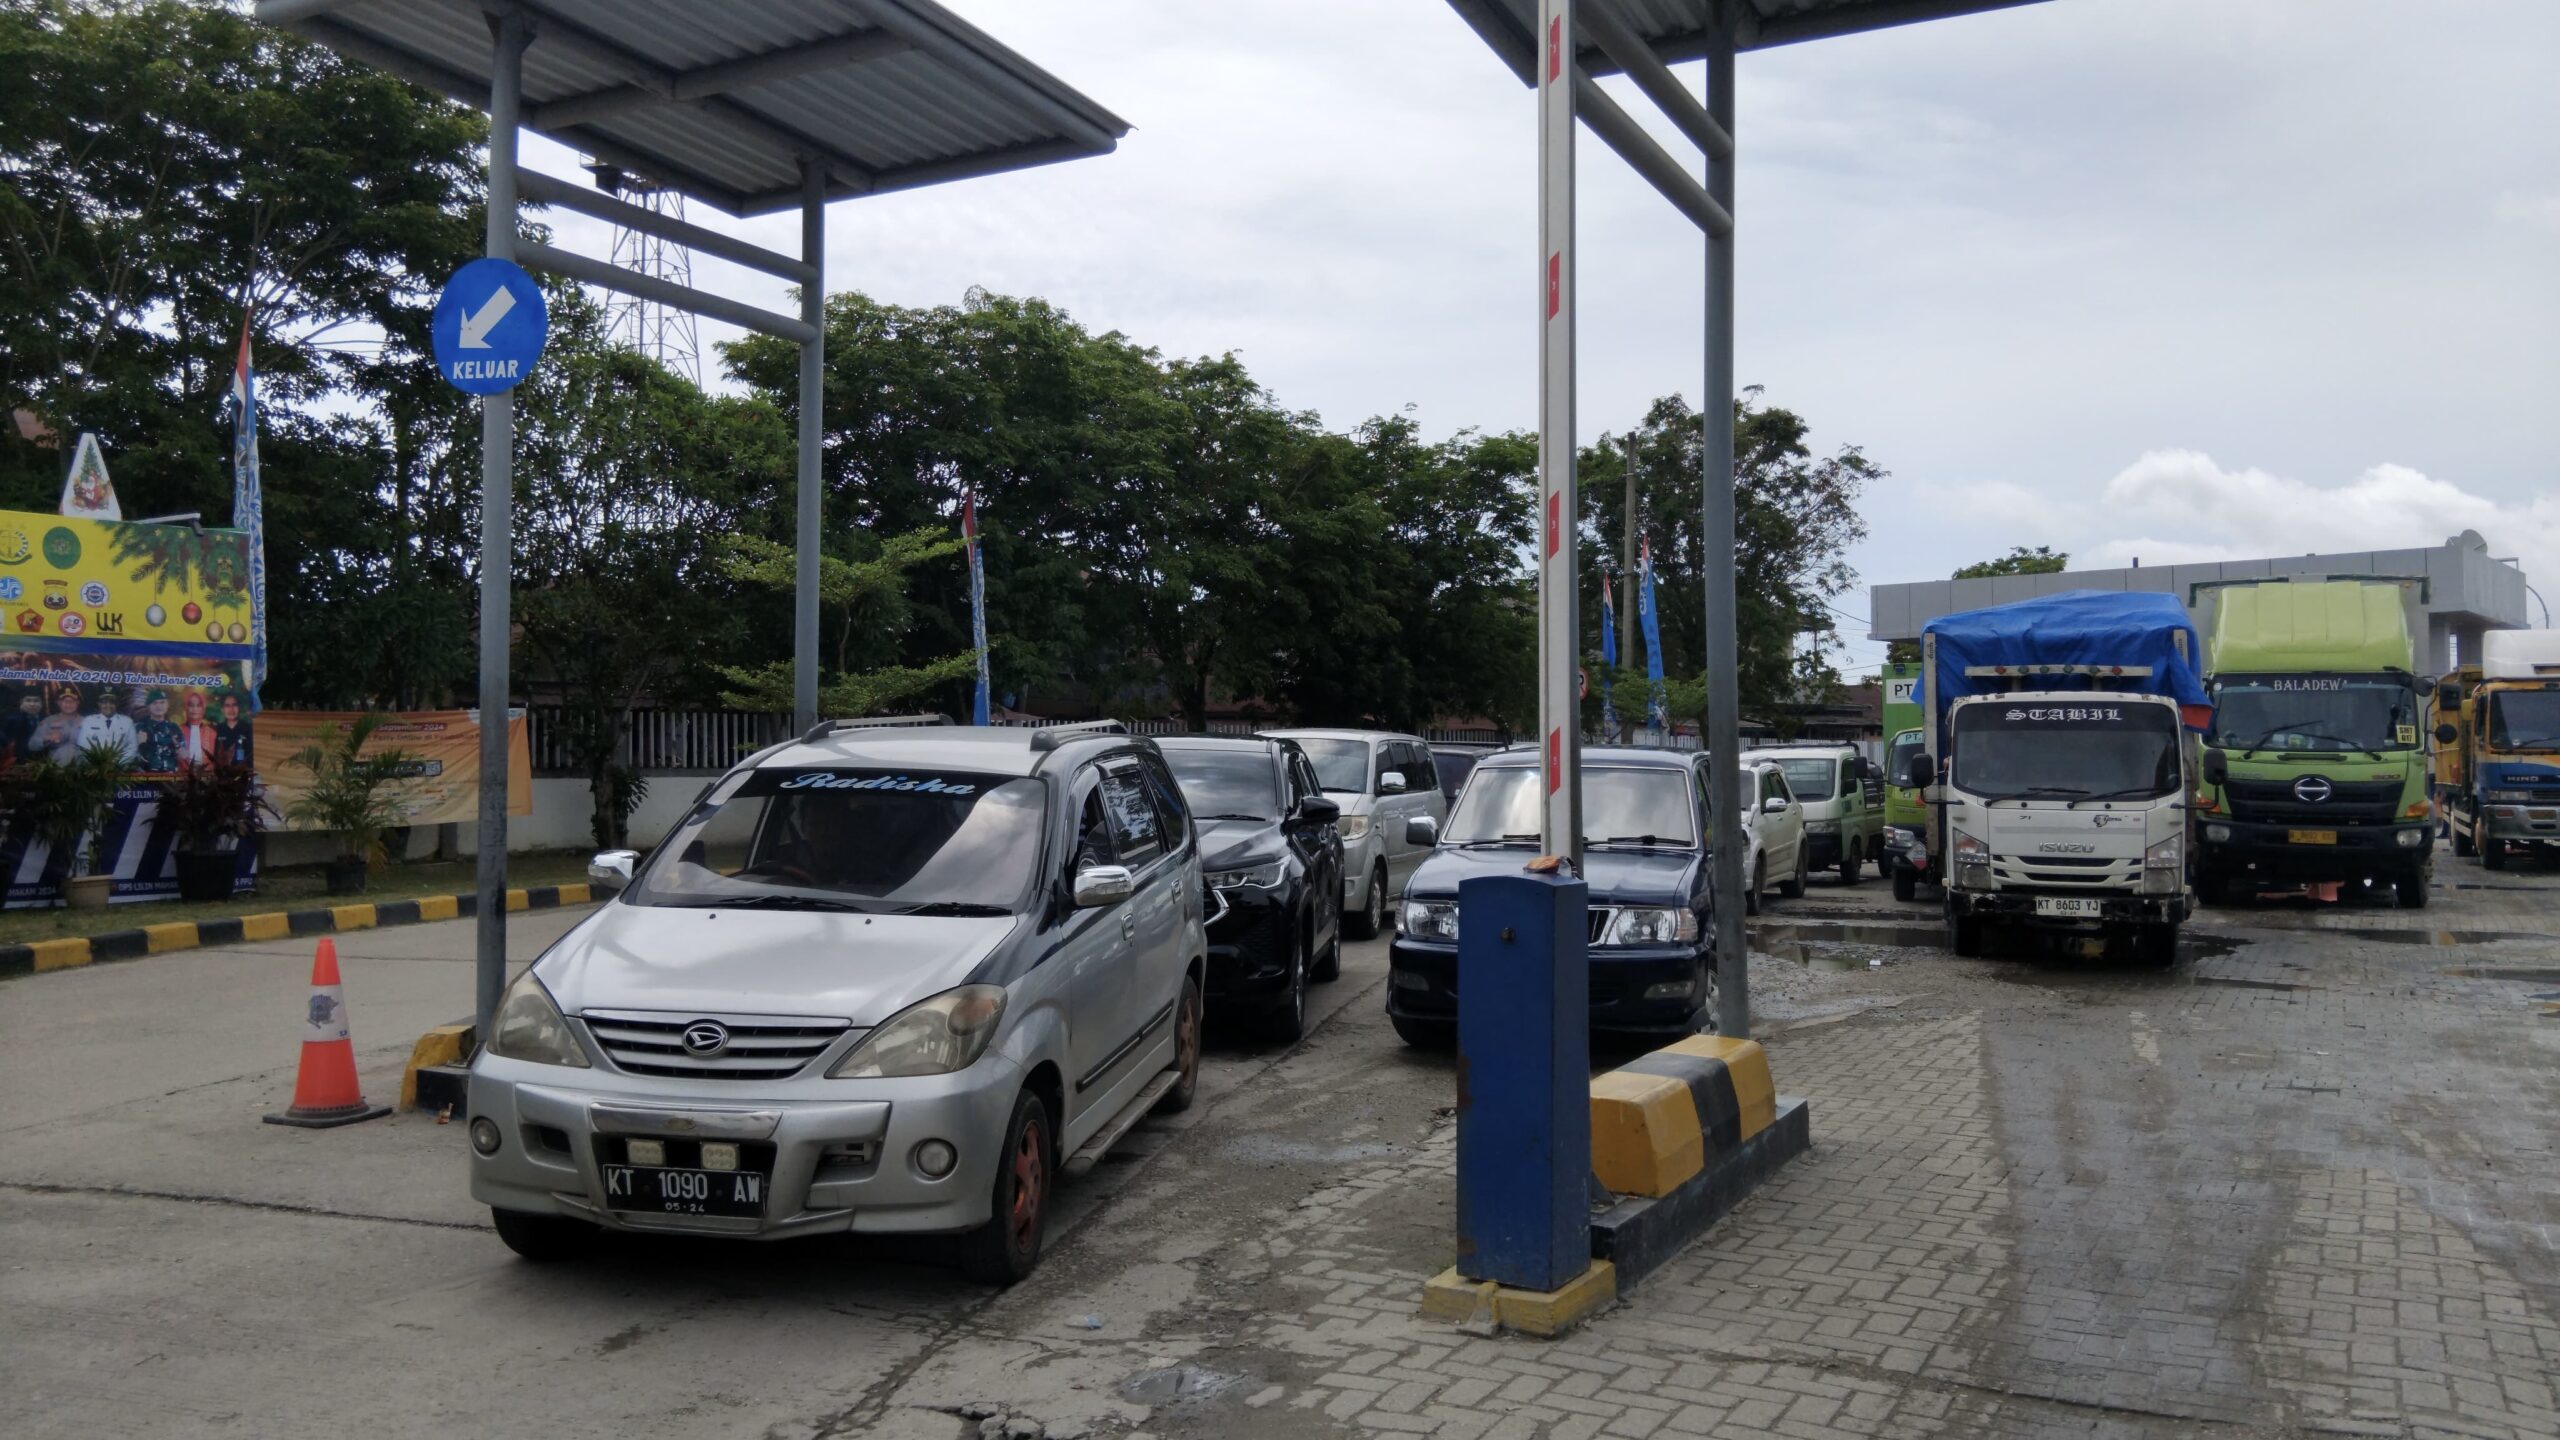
x=134, y=635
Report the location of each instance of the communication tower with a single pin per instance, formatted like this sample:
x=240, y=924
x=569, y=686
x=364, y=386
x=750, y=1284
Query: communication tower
x=664, y=333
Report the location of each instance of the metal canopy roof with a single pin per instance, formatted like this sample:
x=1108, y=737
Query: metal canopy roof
x=1679, y=29
x=722, y=100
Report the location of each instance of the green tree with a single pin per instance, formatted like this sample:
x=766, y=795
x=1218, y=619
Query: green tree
x=865, y=602
x=2042, y=560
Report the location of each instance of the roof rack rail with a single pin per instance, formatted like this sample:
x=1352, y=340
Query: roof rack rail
x=824, y=728
x=1050, y=737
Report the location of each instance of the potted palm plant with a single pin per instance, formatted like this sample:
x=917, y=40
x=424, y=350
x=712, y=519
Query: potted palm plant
x=354, y=796
x=75, y=803
x=216, y=811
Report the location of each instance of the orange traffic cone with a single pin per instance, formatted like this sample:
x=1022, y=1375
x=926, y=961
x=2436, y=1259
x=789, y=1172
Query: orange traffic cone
x=325, y=1091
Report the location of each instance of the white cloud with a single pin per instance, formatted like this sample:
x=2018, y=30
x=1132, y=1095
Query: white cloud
x=2540, y=212
x=2188, y=507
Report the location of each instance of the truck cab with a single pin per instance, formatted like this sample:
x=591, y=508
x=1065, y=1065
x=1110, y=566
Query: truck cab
x=2314, y=768
x=2498, y=756
x=1906, y=819
x=2064, y=758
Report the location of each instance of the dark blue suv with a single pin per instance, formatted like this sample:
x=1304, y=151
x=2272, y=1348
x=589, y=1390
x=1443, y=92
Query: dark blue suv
x=1644, y=822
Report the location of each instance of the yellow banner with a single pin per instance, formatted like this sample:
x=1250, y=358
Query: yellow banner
x=98, y=585
x=443, y=746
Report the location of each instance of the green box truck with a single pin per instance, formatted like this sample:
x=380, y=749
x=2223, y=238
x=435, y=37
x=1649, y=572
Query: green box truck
x=2315, y=768
x=1906, y=818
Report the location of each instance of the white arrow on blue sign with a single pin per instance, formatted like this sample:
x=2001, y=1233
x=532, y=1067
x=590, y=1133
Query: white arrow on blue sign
x=490, y=327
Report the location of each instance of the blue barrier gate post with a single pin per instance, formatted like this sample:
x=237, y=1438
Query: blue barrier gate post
x=1524, y=1081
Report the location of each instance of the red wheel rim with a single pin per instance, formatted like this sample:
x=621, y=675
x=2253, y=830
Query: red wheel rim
x=1030, y=1178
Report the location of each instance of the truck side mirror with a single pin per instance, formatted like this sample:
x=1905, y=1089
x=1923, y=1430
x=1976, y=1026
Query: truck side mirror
x=2449, y=698
x=2217, y=768
x=2447, y=734
x=1920, y=773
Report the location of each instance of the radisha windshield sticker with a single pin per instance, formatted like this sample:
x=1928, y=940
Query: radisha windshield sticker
x=822, y=780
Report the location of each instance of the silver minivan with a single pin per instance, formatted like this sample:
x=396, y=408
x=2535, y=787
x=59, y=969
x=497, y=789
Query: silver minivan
x=889, y=980
x=1382, y=780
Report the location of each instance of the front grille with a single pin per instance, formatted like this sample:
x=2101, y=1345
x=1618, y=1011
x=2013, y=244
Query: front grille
x=2067, y=872
x=761, y=1047
x=2350, y=802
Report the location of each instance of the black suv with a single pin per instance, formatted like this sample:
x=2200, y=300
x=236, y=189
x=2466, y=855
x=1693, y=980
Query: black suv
x=1644, y=819
x=1272, y=857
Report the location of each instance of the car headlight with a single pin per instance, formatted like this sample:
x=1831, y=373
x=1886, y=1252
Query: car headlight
x=931, y=1037
x=1642, y=926
x=1259, y=877
x=529, y=1027
x=1431, y=919
x=1353, y=827
x=2169, y=854
x=1822, y=827
x=2508, y=797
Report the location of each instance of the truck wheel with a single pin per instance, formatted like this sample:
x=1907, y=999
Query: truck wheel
x=2410, y=890
x=2462, y=845
x=1006, y=1248
x=2493, y=854
x=1906, y=885
x=1884, y=863
x=1852, y=864
x=1964, y=935
x=2157, y=946
x=2212, y=888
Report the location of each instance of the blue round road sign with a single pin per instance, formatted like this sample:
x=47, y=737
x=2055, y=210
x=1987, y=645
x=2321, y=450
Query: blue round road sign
x=489, y=328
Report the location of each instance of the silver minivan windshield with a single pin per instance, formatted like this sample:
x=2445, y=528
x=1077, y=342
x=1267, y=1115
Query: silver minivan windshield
x=876, y=841
x=1341, y=765
x=1647, y=805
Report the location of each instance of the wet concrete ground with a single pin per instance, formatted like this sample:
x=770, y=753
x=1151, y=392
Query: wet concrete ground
x=2302, y=1183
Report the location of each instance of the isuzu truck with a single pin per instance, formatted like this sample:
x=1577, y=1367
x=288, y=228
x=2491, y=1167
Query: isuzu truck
x=2498, y=748
x=2059, y=763
x=2315, y=770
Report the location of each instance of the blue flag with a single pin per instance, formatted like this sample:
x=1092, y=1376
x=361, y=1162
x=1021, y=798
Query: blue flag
x=248, y=505
x=977, y=601
x=1608, y=659
x=1658, y=704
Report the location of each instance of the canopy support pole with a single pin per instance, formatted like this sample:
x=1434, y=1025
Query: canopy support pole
x=813, y=374
x=1724, y=706
x=497, y=542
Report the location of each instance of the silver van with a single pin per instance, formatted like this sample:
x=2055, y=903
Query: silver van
x=891, y=980
x=1381, y=780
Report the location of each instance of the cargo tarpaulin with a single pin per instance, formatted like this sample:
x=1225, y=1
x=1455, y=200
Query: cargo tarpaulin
x=2076, y=627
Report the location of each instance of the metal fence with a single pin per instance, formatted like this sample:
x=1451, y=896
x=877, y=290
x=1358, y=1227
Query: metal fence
x=664, y=742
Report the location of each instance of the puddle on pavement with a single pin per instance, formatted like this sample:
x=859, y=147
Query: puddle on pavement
x=1771, y=938
x=1271, y=1150
x=1177, y=1384
x=2549, y=976
x=2247, y=984
x=2441, y=939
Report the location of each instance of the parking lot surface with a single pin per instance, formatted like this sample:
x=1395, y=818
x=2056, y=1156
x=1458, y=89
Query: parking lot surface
x=2303, y=1183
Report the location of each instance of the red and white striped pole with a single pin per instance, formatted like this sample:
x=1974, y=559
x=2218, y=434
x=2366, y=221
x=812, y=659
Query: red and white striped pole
x=1559, y=507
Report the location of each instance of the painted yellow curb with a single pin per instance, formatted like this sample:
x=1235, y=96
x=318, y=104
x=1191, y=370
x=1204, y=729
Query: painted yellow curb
x=274, y=925
x=351, y=917
x=578, y=894
x=175, y=935
x=518, y=900
x=60, y=954
x=437, y=907
x=1456, y=1300
x=1645, y=1138
x=441, y=1046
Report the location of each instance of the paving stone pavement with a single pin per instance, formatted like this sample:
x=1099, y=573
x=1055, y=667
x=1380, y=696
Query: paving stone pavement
x=2305, y=1184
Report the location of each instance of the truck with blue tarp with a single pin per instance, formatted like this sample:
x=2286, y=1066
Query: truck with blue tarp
x=2059, y=757
x=2315, y=771
x=2498, y=749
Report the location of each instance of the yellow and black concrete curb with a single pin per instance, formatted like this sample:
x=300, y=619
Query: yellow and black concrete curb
x=1678, y=1137
x=42, y=955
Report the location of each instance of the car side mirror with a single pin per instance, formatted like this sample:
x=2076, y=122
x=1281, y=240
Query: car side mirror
x=1317, y=810
x=1421, y=830
x=1775, y=804
x=1103, y=885
x=1392, y=783
x=2447, y=734
x=613, y=867
x=1919, y=773
x=2217, y=768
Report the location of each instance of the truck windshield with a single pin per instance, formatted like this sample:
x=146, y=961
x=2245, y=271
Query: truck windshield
x=1810, y=779
x=1649, y=805
x=1898, y=765
x=2524, y=719
x=2066, y=751
x=881, y=842
x=2315, y=713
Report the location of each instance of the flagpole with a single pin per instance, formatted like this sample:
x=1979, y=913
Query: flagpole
x=248, y=501
x=977, y=601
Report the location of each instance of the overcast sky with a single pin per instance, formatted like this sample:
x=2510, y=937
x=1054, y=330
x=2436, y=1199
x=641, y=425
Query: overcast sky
x=2168, y=278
